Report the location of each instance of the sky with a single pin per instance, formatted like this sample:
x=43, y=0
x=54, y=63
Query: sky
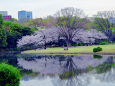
x=43, y=8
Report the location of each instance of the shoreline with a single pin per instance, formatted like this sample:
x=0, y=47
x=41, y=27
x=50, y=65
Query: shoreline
x=72, y=53
x=84, y=53
x=88, y=50
x=10, y=52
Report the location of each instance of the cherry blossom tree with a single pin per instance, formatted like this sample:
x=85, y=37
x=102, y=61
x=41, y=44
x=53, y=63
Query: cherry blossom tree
x=48, y=35
x=39, y=38
x=69, y=22
x=89, y=36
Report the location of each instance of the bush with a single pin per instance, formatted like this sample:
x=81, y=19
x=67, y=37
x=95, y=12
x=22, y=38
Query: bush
x=97, y=49
x=97, y=56
x=9, y=75
x=75, y=44
x=81, y=44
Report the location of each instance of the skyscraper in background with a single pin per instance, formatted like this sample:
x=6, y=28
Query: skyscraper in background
x=24, y=16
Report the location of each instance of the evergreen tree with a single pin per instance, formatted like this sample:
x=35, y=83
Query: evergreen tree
x=3, y=36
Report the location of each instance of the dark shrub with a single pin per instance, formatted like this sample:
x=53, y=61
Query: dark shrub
x=9, y=75
x=97, y=56
x=97, y=49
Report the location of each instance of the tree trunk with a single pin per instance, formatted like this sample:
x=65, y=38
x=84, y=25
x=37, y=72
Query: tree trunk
x=45, y=46
x=68, y=45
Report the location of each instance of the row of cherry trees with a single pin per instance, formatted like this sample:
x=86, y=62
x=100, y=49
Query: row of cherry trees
x=45, y=36
x=69, y=24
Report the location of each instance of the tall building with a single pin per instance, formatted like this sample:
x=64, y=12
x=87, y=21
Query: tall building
x=4, y=13
x=5, y=16
x=24, y=16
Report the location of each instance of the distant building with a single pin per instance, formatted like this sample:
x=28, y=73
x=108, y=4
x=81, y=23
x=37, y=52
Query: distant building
x=24, y=16
x=5, y=16
x=4, y=13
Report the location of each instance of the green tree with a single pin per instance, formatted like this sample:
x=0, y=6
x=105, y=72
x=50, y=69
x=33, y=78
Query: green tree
x=15, y=27
x=15, y=32
x=6, y=25
x=105, y=24
x=35, y=23
x=26, y=31
x=15, y=20
x=3, y=36
x=12, y=38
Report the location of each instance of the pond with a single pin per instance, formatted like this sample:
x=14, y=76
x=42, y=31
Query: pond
x=63, y=70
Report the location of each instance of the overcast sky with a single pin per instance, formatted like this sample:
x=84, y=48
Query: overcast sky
x=43, y=8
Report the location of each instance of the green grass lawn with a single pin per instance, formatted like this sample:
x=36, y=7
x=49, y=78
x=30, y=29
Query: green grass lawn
x=80, y=49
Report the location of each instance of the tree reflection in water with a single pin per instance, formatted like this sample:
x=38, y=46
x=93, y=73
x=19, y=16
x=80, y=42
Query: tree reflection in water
x=74, y=77
x=65, y=70
x=106, y=71
x=70, y=75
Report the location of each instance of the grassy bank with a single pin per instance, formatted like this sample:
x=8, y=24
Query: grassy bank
x=80, y=49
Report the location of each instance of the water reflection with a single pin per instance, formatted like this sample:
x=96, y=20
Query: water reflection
x=63, y=70
x=97, y=56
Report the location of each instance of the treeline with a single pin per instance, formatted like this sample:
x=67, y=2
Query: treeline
x=69, y=27
x=103, y=21
x=10, y=32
